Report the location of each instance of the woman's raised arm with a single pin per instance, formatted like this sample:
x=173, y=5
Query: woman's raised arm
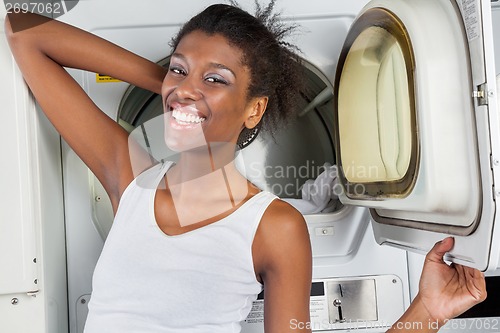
x=42, y=47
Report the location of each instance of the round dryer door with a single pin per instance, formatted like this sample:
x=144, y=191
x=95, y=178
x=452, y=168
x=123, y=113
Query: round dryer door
x=404, y=111
x=411, y=114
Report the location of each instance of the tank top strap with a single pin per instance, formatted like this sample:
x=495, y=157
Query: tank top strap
x=252, y=211
x=150, y=179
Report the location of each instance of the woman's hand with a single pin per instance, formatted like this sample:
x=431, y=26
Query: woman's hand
x=447, y=291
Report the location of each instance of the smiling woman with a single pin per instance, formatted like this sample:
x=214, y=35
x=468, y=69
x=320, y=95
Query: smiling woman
x=207, y=82
x=194, y=242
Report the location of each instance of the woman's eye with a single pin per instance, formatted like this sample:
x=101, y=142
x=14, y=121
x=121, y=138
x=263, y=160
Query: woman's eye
x=215, y=79
x=177, y=70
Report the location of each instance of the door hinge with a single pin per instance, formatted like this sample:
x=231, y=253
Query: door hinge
x=33, y=293
x=481, y=94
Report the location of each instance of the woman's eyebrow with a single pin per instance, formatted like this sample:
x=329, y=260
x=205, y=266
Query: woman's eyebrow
x=212, y=64
x=223, y=67
x=178, y=55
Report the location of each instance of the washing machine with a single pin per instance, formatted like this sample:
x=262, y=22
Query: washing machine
x=400, y=97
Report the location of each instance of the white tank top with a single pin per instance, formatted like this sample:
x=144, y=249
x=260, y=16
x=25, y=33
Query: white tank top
x=199, y=281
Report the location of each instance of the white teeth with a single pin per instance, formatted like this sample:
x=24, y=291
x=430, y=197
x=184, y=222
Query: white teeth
x=187, y=117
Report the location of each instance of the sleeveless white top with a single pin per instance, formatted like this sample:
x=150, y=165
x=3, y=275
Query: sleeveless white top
x=199, y=281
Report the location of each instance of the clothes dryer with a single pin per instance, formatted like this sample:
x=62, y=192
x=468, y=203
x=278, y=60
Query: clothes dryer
x=361, y=62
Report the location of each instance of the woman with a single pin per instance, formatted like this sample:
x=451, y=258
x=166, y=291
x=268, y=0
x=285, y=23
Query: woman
x=194, y=242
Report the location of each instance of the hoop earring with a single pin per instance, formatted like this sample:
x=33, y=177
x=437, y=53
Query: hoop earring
x=247, y=136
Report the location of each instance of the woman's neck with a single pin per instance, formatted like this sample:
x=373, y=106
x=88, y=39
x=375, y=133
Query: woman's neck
x=202, y=161
x=205, y=184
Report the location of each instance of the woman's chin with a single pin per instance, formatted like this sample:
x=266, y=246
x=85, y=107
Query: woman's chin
x=181, y=146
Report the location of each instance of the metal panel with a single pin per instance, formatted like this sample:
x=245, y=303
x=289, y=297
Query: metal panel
x=18, y=209
x=354, y=300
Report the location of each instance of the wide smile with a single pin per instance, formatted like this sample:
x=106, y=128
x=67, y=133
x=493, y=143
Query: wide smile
x=186, y=118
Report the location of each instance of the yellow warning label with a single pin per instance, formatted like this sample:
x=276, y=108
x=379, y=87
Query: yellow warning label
x=101, y=78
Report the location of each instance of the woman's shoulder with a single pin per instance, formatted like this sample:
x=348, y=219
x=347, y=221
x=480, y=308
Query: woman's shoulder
x=278, y=212
x=282, y=213
x=281, y=218
x=281, y=235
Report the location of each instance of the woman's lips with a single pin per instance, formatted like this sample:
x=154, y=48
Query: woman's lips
x=185, y=117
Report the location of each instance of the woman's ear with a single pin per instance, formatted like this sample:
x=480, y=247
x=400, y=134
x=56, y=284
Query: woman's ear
x=258, y=106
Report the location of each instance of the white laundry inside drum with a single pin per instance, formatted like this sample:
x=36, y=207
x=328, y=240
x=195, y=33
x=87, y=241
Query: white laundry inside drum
x=280, y=164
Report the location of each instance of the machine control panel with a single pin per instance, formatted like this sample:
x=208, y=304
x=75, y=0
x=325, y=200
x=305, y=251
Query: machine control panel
x=371, y=303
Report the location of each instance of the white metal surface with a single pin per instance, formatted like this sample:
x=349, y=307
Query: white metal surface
x=19, y=209
x=445, y=118
x=480, y=249
x=32, y=247
x=495, y=15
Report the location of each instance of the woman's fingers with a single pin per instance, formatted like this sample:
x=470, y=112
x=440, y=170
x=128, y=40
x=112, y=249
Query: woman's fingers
x=437, y=253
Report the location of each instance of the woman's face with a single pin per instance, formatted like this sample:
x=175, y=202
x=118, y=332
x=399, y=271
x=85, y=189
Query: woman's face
x=205, y=93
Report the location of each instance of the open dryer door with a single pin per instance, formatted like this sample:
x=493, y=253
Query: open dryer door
x=417, y=128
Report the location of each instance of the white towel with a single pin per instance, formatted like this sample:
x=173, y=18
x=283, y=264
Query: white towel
x=318, y=195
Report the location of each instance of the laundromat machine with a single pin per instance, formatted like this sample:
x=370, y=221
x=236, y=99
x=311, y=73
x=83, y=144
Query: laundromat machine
x=401, y=99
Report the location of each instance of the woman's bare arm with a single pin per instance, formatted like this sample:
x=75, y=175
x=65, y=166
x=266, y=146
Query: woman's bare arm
x=282, y=253
x=41, y=51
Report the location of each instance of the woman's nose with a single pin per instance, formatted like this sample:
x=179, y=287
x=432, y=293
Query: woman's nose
x=188, y=89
